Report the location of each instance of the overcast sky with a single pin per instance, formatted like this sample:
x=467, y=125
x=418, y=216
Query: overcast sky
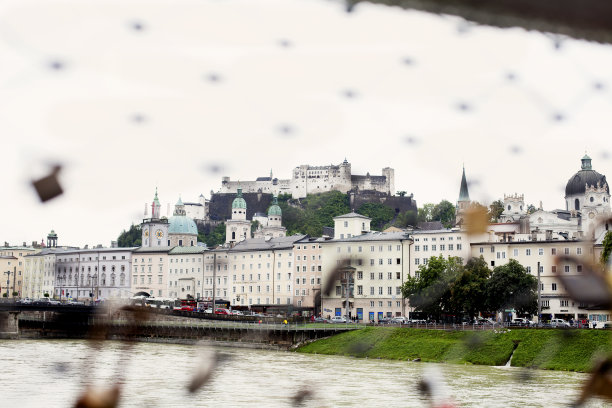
x=128, y=96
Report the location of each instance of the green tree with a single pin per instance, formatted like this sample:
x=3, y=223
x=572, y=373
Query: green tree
x=425, y=213
x=607, y=248
x=405, y=219
x=379, y=213
x=495, y=210
x=254, y=226
x=511, y=287
x=469, y=292
x=444, y=212
x=430, y=290
x=131, y=237
x=531, y=209
x=212, y=236
x=401, y=193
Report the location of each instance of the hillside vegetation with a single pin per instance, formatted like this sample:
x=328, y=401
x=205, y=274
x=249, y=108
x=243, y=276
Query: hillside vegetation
x=568, y=350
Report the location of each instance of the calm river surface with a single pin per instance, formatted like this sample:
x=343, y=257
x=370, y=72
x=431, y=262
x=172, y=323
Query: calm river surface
x=51, y=373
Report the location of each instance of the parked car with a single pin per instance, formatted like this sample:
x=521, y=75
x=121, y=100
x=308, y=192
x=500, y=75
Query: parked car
x=237, y=312
x=221, y=311
x=25, y=301
x=400, y=320
x=338, y=319
x=321, y=320
x=486, y=322
x=418, y=321
x=559, y=323
x=42, y=301
x=521, y=321
x=75, y=303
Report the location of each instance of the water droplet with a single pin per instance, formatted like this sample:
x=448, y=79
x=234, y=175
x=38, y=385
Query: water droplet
x=56, y=65
x=138, y=118
x=516, y=149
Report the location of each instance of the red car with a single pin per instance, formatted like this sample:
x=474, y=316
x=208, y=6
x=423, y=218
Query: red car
x=187, y=308
x=223, y=311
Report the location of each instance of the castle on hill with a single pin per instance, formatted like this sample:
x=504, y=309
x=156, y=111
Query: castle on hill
x=306, y=179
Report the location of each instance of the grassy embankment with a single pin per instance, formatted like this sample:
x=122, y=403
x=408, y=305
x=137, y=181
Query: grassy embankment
x=569, y=350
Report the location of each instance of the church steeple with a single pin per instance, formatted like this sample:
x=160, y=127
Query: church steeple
x=463, y=202
x=464, y=195
x=155, y=207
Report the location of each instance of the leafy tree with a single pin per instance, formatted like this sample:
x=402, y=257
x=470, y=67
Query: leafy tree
x=430, y=290
x=130, y=238
x=401, y=193
x=510, y=286
x=425, y=213
x=212, y=236
x=495, y=210
x=405, y=219
x=531, y=209
x=607, y=248
x=379, y=213
x=254, y=226
x=444, y=212
x=469, y=292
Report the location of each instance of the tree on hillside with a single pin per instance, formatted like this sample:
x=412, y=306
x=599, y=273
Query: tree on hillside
x=607, y=248
x=495, y=210
x=212, y=236
x=400, y=193
x=130, y=238
x=425, y=213
x=511, y=287
x=444, y=212
x=379, y=213
x=429, y=290
x=469, y=292
x=405, y=219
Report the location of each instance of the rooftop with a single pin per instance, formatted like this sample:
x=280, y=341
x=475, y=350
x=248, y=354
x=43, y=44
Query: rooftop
x=352, y=215
x=375, y=236
x=187, y=250
x=262, y=244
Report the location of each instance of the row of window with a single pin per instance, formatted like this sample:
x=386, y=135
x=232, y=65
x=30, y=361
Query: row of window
x=515, y=251
x=442, y=247
x=114, y=258
x=372, y=248
x=258, y=289
x=458, y=238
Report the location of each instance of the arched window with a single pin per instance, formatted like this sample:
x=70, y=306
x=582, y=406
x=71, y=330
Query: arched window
x=509, y=207
x=180, y=242
x=576, y=204
x=233, y=234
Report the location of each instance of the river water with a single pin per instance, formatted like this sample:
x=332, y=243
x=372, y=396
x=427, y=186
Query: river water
x=51, y=373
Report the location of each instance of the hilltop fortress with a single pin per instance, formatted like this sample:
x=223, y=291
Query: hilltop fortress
x=306, y=179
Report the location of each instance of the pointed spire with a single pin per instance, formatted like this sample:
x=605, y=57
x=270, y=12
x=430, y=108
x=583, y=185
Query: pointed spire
x=464, y=195
x=270, y=173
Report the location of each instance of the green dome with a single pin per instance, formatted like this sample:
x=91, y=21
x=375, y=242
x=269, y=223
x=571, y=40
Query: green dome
x=274, y=208
x=181, y=224
x=239, y=201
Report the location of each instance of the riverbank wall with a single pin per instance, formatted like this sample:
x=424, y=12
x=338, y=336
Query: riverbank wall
x=173, y=330
x=550, y=349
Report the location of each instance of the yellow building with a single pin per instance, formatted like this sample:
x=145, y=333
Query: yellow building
x=16, y=267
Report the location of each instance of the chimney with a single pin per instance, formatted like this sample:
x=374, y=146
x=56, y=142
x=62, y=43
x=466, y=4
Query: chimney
x=24, y=243
x=113, y=244
x=549, y=235
x=86, y=246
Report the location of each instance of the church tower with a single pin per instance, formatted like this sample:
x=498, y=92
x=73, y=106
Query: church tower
x=155, y=229
x=238, y=228
x=274, y=225
x=463, y=202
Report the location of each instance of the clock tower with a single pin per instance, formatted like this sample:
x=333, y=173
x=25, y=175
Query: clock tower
x=155, y=229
